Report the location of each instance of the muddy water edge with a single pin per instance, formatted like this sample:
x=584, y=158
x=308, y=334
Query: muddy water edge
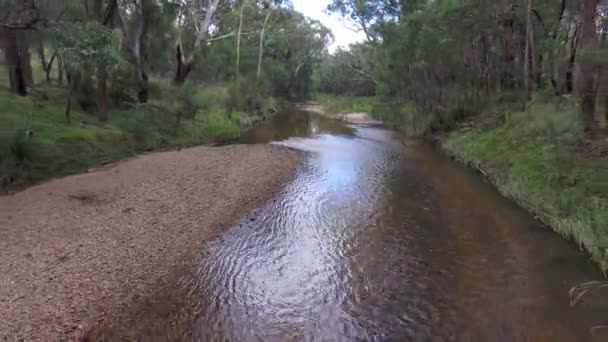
x=382, y=239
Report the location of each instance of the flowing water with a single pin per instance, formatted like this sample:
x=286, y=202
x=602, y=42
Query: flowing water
x=382, y=239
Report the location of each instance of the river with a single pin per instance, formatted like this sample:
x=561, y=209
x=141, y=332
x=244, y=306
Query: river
x=383, y=239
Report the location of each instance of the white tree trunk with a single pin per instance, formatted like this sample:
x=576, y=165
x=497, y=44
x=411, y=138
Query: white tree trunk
x=261, y=48
x=238, y=42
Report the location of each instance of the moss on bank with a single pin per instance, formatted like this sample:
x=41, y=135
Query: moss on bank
x=37, y=143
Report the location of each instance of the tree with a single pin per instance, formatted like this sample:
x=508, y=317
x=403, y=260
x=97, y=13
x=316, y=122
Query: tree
x=136, y=17
x=15, y=20
x=261, y=45
x=588, y=43
x=82, y=47
x=103, y=12
x=530, y=55
x=199, y=15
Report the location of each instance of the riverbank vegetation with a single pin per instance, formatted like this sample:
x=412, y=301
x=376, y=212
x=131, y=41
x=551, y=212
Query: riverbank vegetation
x=515, y=88
x=84, y=82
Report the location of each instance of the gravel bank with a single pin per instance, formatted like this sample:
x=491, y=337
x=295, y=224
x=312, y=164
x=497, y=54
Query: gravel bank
x=102, y=254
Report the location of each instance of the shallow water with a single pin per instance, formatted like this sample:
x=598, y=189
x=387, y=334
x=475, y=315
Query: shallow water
x=382, y=239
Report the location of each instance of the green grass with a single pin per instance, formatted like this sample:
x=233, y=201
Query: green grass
x=36, y=143
x=404, y=117
x=345, y=104
x=535, y=158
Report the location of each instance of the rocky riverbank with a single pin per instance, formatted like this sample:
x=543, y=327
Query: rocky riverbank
x=103, y=255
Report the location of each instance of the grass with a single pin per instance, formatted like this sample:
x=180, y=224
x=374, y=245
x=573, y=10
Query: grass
x=405, y=117
x=345, y=104
x=36, y=143
x=535, y=158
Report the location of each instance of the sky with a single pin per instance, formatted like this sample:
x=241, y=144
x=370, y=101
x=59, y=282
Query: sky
x=315, y=9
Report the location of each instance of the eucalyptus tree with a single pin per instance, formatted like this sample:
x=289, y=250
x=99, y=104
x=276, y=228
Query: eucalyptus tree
x=136, y=21
x=16, y=19
x=444, y=55
x=197, y=20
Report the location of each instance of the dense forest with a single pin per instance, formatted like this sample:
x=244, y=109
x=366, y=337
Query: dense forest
x=517, y=89
x=447, y=57
x=120, y=44
x=152, y=73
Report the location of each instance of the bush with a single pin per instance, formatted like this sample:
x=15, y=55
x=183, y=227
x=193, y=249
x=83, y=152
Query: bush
x=123, y=85
x=234, y=102
x=140, y=125
x=205, y=97
x=20, y=146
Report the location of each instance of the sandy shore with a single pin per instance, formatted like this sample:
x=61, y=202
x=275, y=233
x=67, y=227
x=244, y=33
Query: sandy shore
x=354, y=118
x=103, y=255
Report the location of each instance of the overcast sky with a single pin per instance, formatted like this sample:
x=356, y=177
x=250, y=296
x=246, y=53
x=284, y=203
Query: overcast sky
x=316, y=9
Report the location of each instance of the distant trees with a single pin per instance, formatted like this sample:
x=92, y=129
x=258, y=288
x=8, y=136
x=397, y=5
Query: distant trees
x=349, y=72
x=446, y=55
x=106, y=52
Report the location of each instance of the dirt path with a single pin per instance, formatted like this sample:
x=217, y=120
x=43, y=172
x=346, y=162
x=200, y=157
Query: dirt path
x=101, y=254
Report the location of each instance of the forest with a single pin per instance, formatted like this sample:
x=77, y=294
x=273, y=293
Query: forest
x=447, y=57
x=149, y=73
x=517, y=89
x=180, y=170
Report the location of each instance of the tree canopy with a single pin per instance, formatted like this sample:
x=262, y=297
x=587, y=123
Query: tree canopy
x=446, y=55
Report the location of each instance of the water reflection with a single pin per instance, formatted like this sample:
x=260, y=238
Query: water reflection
x=291, y=124
x=377, y=240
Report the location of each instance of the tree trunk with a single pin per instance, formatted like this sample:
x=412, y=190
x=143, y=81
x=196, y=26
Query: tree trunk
x=102, y=96
x=68, y=106
x=143, y=92
x=137, y=47
x=554, y=70
x=26, y=58
x=183, y=64
x=103, y=15
x=49, y=67
x=14, y=62
x=529, y=56
x=604, y=84
x=183, y=67
x=508, y=57
x=261, y=48
x=59, y=70
x=42, y=55
x=571, y=61
x=589, y=40
x=238, y=43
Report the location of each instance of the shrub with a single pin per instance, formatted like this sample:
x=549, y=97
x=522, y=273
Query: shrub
x=123, y=85
x=141, y=126
x=20, y=146
x=234, y=101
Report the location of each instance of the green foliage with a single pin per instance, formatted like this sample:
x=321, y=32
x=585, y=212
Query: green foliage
x=446, y=57
x=19, y=146
x=234, y=102
x=84, y=45
x=346, y=104
x=122, y=85
x=35, y=142
x=348, y=72
x=534, y=158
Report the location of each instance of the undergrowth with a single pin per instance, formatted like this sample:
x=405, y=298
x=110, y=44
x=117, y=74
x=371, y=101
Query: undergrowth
x=37, y=143
x=534, y=157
